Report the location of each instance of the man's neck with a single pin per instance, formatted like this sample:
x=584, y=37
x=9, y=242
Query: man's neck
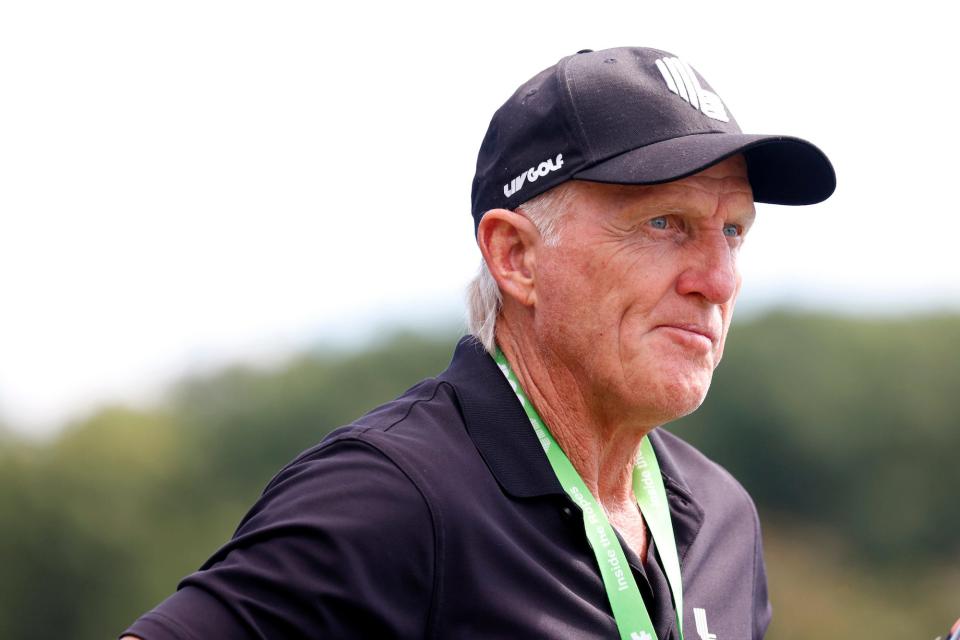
x=601, y=446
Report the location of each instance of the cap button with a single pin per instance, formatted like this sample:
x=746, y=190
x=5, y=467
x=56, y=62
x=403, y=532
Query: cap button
x=585, y=51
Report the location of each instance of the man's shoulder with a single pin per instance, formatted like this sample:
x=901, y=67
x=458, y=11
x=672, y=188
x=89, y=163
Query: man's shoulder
x=373, y=467
x=422, y=423
x=707, y=481
x=726, y=550
x=342, y=540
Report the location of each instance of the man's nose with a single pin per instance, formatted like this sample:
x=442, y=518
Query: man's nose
x=711, y=271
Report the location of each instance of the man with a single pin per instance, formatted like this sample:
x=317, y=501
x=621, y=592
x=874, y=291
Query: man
x=526, y=492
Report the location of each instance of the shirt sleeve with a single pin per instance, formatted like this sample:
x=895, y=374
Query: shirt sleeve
x=339, y=545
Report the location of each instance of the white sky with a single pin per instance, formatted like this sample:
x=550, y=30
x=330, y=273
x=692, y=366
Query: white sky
x=187, y=183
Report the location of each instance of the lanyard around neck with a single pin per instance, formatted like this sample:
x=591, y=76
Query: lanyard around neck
x=629, y=611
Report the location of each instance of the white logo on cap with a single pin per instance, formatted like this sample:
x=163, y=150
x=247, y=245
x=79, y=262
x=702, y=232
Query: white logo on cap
x=682, y=80
x=531, y=174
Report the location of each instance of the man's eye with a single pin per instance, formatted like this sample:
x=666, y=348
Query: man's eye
x=731, y=230
x=660, y=222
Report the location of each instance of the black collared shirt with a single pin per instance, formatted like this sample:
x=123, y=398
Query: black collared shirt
x=438, y=515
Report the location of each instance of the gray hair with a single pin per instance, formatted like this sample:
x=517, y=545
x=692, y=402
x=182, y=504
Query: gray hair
x=546, y=212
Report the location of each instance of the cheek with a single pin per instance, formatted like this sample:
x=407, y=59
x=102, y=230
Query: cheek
x=568, y=310
x=582, y=286
x=727, y=312
x=646, y=298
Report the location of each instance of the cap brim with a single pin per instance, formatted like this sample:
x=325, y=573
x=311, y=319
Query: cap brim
x=782, y=170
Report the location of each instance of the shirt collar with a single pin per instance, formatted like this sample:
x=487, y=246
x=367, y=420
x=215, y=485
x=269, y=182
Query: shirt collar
x=502, y=433
x=497, y=423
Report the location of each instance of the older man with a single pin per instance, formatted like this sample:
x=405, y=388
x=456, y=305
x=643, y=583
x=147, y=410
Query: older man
x=526, y=492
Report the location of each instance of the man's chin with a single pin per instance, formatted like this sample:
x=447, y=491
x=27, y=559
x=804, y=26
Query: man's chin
x=681, y=397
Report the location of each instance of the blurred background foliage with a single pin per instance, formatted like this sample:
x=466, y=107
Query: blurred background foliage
x=843, y=429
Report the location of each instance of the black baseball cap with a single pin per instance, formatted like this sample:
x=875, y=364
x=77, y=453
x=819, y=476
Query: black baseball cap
x=631, y=115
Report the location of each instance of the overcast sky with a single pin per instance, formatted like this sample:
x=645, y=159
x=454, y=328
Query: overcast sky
x=187, y=183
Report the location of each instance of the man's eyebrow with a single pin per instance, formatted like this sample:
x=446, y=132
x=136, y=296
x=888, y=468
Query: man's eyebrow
x=672, y=207
x=659, y=206
x=668, y=207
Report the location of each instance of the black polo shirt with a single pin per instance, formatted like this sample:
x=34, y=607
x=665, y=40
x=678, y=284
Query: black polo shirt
x=437, y=515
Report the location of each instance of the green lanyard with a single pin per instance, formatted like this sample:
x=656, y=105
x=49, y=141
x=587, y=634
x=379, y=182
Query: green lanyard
x=630, y=613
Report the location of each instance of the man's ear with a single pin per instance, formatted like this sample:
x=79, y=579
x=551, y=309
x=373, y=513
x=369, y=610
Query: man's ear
x=509, y=243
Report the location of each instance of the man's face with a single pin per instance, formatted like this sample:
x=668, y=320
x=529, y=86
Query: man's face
x=637, y=297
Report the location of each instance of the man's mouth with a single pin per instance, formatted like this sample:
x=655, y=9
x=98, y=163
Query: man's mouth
x=694, y=331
